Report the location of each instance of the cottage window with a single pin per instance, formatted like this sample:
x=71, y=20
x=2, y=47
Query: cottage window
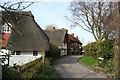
x=13, y=52
x=71, y=49
x=8, y=28
x=18, y=52
x=65, y=44
x=35, y=53
x=3, y=28
x=65, y=51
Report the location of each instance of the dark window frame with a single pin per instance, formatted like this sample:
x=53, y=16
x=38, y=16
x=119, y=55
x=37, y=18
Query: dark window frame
x=35, y=53
x=18, y=52
x=12, y=52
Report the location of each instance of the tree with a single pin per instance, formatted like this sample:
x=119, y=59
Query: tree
x=114, y=22
x=90, y=16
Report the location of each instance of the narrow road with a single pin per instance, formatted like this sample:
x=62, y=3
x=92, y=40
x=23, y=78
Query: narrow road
x=69, y=67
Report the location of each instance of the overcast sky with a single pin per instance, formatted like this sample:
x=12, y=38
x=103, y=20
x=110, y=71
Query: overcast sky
x=48, y=13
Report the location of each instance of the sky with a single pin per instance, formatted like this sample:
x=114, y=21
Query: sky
x=53, y=13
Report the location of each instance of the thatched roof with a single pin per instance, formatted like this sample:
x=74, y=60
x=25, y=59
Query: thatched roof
x=56, y=36
x=26, y=34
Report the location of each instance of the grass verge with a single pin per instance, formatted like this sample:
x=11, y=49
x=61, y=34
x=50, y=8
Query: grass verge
x=89, y=61
x=48, y=72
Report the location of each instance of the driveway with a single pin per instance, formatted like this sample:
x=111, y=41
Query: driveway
x=69, y=67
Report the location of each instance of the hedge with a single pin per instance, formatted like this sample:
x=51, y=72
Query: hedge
x=103, y=49
x=92, y=49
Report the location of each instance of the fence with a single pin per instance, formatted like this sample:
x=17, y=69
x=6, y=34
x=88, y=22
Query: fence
x=30, y=69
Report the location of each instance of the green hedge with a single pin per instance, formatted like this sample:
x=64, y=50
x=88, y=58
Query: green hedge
x=107, y=49
x=92, y=49
x=100, y=49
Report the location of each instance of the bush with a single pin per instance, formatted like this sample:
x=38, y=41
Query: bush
x=47, y=71
x=51, y=73
x=107, y=50
x=92, y=49
x=53, y=52
x=107, y=53
x=8, y=73
x=102, y=49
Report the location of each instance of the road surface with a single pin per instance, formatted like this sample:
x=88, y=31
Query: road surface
x=69, y=67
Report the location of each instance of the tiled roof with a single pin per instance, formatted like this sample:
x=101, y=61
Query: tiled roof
x=4, y=39
x=72, y=38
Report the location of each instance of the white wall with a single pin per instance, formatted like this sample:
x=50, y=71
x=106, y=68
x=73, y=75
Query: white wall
x=6, y=28
x=63, y=50
x=24, y=58
x=64, y=46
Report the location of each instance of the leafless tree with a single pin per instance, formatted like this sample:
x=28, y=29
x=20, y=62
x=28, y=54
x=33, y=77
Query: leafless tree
x=90, y=16
x=15, y=6
x=113, y=21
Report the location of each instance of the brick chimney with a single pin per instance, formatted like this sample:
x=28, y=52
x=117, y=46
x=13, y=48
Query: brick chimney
x=77, y=37
x=51, y=28
x=72, y=34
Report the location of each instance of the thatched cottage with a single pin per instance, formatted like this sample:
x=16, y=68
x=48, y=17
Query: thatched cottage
x=58, y=37
x=22, y=37
x=68, y=44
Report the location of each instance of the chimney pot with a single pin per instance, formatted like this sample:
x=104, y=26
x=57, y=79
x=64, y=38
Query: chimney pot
x=77, y=37
x=51, y=28
x=72, y=34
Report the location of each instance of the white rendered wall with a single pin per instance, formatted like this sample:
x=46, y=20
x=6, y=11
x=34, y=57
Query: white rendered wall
x=24, y=58
x=62, y=50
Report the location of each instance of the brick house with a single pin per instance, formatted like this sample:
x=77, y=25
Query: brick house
x=74, y=44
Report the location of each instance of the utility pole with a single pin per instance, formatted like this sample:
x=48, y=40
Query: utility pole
x=117, y=54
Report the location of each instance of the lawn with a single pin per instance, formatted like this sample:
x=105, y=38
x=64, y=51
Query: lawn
x=89, y=61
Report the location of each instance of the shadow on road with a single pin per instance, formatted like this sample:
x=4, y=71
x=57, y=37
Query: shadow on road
x=68, y=60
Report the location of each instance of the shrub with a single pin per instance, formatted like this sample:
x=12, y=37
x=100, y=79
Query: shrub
x=107, y=50
x=8, y=73
x=104, y=49
x=107, y=53
x=47, y=71
x=92, y=49
x=53, y=52
x=100, y=49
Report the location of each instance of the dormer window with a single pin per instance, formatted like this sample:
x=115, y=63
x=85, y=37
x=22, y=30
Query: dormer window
x=6, y=28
